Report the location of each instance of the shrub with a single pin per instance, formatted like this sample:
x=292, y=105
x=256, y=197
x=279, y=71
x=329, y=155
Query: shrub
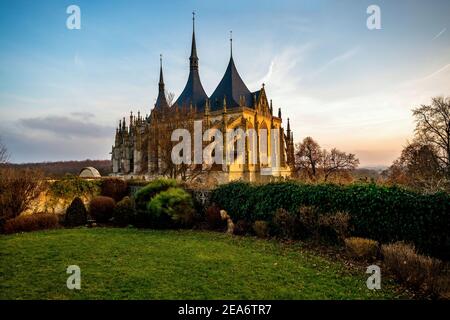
x=34, y=222
x=172, y=207
x=261, y=229
x=418, y=271
x=309, y=221
x=101, y=208
x=145, y=194
x=70, y=187
x=334, y=227
x=76, y=214
x=242, y=227
x=361, y=248
x=114, y=188
x=18, y=189
x=382, y=213
x=124, y=212
x=285, y=225
x=213, y=218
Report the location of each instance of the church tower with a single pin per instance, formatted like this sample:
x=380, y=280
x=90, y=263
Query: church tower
x=193, y=93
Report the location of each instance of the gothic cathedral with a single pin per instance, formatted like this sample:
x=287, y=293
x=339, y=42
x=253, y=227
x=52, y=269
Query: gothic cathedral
x=143, y=146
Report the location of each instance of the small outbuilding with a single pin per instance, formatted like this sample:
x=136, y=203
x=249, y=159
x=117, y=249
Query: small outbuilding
x=89, y=172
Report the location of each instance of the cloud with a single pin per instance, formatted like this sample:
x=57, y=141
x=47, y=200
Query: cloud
x=66, y=127
x=83, y=115
x=374, y=124
x=25, y=146
x=342, y=57
x=282, y=67
x=432, y=75
x=439, y=34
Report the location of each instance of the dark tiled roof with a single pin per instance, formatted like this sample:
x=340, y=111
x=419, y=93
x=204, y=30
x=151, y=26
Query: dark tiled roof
x=233, y=88
x=193, y=92
x=161, y=101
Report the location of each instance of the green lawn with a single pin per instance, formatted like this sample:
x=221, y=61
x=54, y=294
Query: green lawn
x=150, y=264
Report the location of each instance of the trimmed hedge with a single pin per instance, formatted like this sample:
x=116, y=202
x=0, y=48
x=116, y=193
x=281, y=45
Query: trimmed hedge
x=154, y=187
x=76, y=214
x=386, y=214
x=124, y=213
x=101, y=208
x=33, y=222
x=114, y=188
x=172, y=207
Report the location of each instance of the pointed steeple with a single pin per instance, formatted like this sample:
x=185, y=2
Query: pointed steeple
x=193, y=58
x=193, y=92
x=231, y=43
x=161, y=78
x=231, y=86
x=161, y=101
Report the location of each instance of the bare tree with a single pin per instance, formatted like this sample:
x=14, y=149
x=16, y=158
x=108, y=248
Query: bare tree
x=4, y=155
x=418, y=167
x=337, y=161
x=322, y=164
x=308, y=157
x=18, y=189
x=169, y=98
x=433, y=129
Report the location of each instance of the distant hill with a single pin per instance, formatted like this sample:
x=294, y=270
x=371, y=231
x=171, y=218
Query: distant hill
x=60, y=168
x=368, y=173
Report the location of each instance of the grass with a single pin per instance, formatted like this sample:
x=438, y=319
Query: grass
x=153, y=264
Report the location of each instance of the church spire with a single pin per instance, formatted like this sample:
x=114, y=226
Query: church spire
x=193, y=58
x=193, y=92
x=161, y=101
x=231, y=44
x=161, y=78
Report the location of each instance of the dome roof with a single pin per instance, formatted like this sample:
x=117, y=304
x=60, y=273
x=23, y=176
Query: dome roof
x=89, y=172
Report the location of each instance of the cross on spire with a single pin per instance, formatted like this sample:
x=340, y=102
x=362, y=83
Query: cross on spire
x=231, y=42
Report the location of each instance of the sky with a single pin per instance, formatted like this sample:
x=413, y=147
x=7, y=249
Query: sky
x=62, y=91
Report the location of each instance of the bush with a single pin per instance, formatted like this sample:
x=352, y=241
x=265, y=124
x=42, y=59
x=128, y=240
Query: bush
x=418, y=271
x=145, y=194
x=361, y=248
x=173, y=207
x=124, y=212
x=242, y=227
x=213, y=218
x=309, y=221
x=18, y=189
x=101, y=208
x=70, y=187
x=114, y=188
x=34, y=222
x=285, y=225
x=334, y=227
x=261, y=229
x=76, y=214
x=382, y=213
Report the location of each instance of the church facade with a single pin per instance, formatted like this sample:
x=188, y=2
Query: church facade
x=143, y=144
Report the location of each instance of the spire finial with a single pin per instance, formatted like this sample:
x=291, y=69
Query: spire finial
x=161, y=78
x=193, y=58
x=231, y=42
